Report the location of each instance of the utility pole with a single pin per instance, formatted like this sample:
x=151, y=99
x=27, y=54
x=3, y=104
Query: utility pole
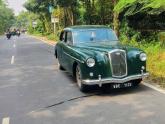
x=52, y=18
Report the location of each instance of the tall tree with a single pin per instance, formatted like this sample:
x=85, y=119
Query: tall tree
x=142, y=14
x=116, y=18
x=70, y=9
x=41, y=8
x=22, y=20
x=6, y=17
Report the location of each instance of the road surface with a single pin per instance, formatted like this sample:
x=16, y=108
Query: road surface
x=34, y=91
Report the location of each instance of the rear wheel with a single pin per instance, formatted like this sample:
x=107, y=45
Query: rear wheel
x=81, y=86
x=61, y=68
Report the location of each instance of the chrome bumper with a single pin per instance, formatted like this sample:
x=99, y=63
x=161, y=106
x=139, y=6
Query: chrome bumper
x=101, y=81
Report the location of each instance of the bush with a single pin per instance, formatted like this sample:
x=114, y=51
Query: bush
x=52, y=37
x=155, y=50
x=161, y=36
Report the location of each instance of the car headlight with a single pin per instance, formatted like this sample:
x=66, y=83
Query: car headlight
x=90, y=62
x=143, y=57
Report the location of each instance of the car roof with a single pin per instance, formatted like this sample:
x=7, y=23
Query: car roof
x=77, y=27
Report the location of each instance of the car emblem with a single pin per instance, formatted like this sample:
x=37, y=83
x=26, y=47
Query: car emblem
x=118, y=53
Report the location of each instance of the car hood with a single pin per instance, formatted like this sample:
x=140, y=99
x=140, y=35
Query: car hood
x=104, y=47
x=100, y=49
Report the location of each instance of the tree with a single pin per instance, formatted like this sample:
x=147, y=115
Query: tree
x=97, y=11
x=40, y=7
x=22, y=20
x=116, y=18
x=70, y=10
x=143, y=15
x=6, y=17
x=139, y=6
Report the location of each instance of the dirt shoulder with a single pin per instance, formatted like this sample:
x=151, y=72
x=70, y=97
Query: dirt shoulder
x=44, y=39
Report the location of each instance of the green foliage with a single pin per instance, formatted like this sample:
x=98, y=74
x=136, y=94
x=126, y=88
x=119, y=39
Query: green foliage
x=69, y=3
x=40, y=8
x=6, y=17
x=137, y=6
x=22, y=20
x=73, y=12
x=122, y=4
x=155, y=57
x=96, y=11
x=143, y=15
x=161, y=37
x=155, y=62
x=53, y=37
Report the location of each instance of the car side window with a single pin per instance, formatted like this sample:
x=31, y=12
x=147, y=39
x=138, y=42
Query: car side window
x=62, y=36
x=69, y=39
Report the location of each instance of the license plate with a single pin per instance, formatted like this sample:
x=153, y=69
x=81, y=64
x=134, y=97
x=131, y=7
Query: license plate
x=123, y=85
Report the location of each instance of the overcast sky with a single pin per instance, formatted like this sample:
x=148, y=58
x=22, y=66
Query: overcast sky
x=16, y=5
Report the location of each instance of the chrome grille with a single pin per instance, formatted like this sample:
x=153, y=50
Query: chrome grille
x=118, y=63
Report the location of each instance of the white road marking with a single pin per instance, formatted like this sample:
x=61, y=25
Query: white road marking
x=12, y=60
x=14, y=45
x=14, y=41
x=6, y=120
x=154, y=87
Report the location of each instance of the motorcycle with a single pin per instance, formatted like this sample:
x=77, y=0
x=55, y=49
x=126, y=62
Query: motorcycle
x=8, y=35
x=18, y=33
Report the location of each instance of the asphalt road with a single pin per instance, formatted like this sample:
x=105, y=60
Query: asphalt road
x=34, y=91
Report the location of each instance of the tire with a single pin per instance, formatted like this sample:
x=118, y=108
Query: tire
x=61, y=68
x=137, y=82
x=81, y=86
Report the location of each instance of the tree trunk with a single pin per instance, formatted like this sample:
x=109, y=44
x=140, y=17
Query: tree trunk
x=116, y=19
x=116, y=23
x=47, y=23
x=69, y=19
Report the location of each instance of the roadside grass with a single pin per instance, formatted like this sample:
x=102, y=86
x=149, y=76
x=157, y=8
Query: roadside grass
x=49, y=37
x=155, y=51
x=53, y=37
x=155, y=62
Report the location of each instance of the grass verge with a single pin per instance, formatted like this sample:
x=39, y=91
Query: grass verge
x=155, y=62
x=52, y=38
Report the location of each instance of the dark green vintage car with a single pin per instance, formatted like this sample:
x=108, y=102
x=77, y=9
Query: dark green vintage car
x=94, y=56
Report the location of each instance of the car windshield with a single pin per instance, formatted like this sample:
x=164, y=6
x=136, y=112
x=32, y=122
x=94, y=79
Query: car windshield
x=94, y=35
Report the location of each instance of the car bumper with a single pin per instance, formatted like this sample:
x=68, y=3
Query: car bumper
x=101, y=81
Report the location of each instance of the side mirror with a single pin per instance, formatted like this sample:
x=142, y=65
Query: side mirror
x=61, y=36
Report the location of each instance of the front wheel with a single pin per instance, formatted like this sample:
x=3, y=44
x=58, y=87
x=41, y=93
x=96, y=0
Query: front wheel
x=60, y=66
x=137, y=82
x=81, y=86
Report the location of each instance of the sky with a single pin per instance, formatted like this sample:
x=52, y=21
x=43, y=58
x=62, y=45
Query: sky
x=16, y=5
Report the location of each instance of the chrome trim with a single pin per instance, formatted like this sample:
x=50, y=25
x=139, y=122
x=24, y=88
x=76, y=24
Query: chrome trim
x=74, y=58
x=114, y=80
x=111, y=62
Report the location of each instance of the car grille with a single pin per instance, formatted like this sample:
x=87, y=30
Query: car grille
x=118, y=63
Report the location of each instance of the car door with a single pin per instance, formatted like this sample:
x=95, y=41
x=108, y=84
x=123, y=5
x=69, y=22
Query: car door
x=60, y=48
x=67, y=50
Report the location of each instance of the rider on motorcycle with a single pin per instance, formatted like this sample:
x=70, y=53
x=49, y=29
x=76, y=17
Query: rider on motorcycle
x=8, y=34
